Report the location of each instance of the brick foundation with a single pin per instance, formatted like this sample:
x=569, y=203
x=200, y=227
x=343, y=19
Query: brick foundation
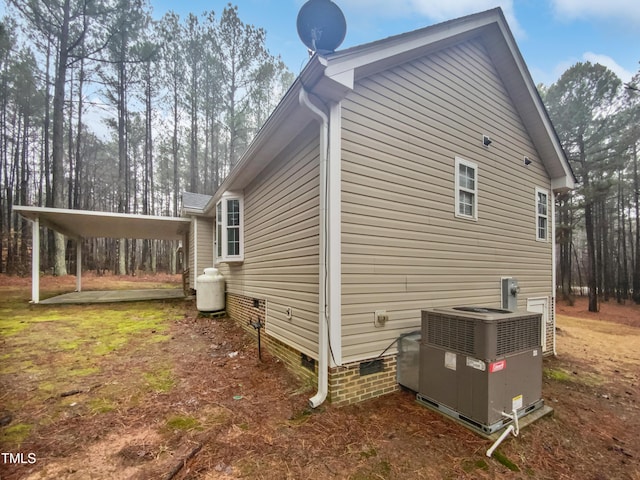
x=242, y=311
x=347, y=384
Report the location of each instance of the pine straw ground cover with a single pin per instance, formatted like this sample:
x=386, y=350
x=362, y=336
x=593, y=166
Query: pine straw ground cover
x=151, y=391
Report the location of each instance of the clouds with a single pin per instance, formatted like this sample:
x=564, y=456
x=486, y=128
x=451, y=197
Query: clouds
x=436, y=10
x=549, y=77
x=610, y=63
x=552, y=34
x=626, y=11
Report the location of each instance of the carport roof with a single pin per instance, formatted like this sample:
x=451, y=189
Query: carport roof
x=87, y=224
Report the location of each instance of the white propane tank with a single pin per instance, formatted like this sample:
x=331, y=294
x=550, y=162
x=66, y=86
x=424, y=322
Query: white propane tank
x=210, y=291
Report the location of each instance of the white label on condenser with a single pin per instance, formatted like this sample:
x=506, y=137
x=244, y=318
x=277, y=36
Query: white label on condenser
x=477, y=364
x=535, y=352
x=450, y=360
x=516, y=402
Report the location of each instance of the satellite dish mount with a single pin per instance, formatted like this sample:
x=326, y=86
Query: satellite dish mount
x=321, y=26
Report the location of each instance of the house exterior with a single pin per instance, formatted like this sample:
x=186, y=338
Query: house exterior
x=408, y=173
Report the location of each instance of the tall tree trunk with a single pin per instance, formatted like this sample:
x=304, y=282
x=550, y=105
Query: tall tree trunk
x=623, y=284
x=636, y=200
x=48, y=238
x=123, y=170
x=77, y=191
x=147, y=195
x=70, y=148
x=24, y=188
x=592, y=265
x=564, y=240
x=174, y=151
x=57, y=161
x=604, y=251
x=4, y=136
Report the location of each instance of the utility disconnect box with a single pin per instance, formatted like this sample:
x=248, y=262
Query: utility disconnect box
x=510, y=290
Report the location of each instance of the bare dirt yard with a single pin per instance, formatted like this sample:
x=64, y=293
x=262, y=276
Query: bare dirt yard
x=150, y=390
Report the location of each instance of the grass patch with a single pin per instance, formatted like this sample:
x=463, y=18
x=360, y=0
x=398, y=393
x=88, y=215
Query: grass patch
x=47, y=347
x=101, y=405
x=183, y=423
x=557, y=374
x=504, y=460
x=107, y=353
x=160, y=380
x=470, y=465
x=560, y=375
x=48, y=388
x=15, y=434
x=47, y=351
x=109, y=345
x=84, y=372
x=70, y=345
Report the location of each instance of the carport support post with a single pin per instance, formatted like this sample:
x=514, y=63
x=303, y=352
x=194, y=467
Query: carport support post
x=35, y=260
x=79, y=264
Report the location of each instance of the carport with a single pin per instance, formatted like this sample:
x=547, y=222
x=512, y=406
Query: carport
x=81, y=224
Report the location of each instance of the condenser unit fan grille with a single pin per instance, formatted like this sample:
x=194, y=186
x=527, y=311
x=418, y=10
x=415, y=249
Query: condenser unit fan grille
x=452, y=333
x=517, y=334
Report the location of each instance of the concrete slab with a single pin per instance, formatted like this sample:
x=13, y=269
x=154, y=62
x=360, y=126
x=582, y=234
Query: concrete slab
x=114, y=296
x=543, y=411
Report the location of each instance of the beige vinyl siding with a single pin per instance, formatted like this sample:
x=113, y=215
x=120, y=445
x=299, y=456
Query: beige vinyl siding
x=205, y=243
x=201, y=232
x=402, y=247
x=281, y=209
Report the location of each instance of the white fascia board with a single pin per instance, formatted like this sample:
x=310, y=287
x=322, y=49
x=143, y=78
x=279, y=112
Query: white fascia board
x=411, y=43
x=560, y=160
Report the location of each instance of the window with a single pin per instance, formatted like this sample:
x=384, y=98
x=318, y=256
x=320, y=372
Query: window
x=542, y=217
x=229, y=229
x=466, y=189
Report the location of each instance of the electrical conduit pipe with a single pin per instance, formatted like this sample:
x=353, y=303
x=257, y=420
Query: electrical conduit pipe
x=323, y=328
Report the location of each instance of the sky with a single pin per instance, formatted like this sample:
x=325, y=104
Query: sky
x=551, y=34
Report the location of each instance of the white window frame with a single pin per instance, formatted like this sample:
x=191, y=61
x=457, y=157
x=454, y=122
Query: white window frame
x=539, y=215
x=460, y=188
x=221, y=234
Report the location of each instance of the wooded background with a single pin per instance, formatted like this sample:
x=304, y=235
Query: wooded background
x=104, y=108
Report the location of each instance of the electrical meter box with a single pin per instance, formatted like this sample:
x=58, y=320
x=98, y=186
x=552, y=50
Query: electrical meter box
x=510, y=290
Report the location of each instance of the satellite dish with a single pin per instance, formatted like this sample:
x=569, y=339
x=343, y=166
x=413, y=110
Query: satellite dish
x=321, y=25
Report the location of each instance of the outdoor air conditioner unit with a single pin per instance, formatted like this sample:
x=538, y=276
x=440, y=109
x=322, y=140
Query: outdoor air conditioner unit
x=477, y=362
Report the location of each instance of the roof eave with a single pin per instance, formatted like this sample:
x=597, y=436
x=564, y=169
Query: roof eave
x=86, y=224
x=333, y=76
x=492, y=26
x=192, y=211
x=287, y=120
x=379, y=55
x=529, y=103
